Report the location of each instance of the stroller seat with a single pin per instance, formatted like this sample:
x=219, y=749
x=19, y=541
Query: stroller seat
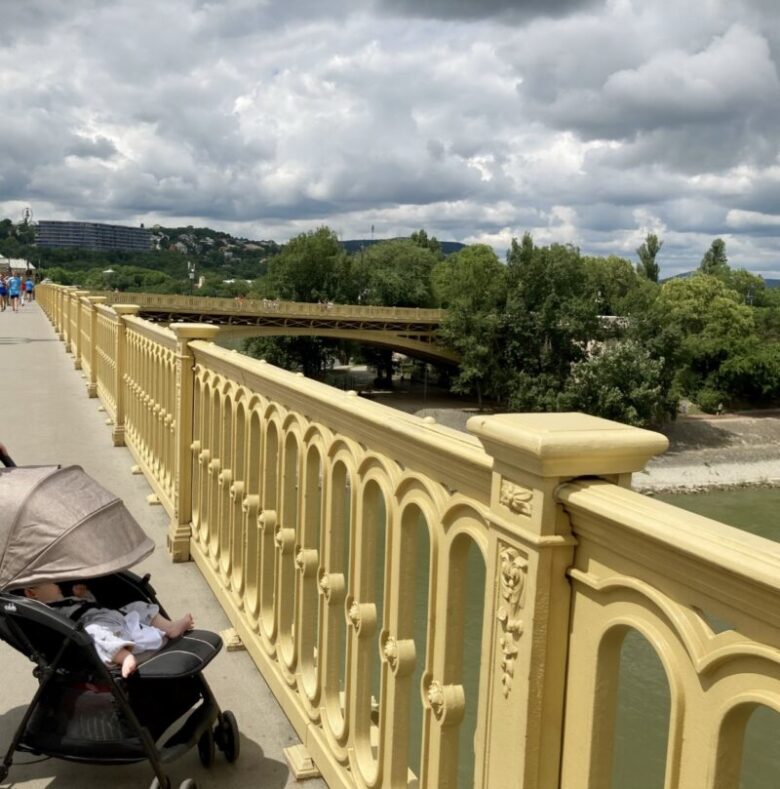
x=182, y=657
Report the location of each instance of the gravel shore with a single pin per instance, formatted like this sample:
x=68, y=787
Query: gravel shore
x=705, y=453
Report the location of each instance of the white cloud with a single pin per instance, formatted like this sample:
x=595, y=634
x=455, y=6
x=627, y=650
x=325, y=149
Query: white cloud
x=588, y=123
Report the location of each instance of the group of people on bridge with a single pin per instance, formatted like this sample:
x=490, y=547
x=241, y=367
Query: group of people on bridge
x=16, y=291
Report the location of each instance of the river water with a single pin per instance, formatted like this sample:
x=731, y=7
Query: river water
x=644, y=704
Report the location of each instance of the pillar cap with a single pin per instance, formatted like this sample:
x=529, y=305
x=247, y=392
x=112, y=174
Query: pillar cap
x=125, y=309
x=194, y=331
x=566, y=444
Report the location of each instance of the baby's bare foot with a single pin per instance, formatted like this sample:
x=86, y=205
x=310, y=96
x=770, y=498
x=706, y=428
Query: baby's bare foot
x=180, y=626
x=129, y=665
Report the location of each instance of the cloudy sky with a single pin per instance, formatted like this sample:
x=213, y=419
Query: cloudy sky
x=583, y=121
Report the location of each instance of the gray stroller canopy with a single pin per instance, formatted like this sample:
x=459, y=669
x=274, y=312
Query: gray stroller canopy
x=58, y=524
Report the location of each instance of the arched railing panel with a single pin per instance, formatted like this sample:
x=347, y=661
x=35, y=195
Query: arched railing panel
x=712, y=627
x=150, y=405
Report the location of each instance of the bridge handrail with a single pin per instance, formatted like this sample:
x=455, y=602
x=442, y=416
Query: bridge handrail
x=406, y=437
x=284, y=490
x=733, y=555
x=272, y=306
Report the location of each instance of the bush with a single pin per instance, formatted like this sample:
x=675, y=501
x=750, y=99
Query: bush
x=620, y=382
x=710, y=400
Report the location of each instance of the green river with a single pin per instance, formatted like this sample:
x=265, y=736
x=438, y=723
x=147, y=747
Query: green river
x=643, y=709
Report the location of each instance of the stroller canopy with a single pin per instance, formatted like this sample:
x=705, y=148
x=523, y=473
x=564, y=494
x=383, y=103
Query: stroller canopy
x=58, y=524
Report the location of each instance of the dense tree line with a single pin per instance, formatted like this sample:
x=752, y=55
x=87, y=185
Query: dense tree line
x=556, y=330
x=552, y=329
x=548, y=329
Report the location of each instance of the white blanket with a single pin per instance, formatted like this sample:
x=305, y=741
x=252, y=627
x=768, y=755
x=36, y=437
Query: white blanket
x=130, y=628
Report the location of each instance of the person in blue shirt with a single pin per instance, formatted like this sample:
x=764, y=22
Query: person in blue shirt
x=14, y=288
x=29, y=290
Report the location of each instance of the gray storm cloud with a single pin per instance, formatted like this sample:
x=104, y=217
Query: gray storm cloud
x=583, y=122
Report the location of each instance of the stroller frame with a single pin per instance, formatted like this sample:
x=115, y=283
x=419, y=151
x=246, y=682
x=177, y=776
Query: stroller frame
x=205, y=725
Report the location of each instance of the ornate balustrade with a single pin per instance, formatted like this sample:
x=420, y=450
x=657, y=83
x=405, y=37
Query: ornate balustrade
x=363, y=554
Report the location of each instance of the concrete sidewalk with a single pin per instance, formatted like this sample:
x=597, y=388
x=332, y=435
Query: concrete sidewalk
x=46, y=418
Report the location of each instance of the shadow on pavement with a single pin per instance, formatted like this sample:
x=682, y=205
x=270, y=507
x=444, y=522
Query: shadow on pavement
x=28, y=770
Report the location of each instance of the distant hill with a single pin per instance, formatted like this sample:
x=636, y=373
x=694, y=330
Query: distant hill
x=355, y=245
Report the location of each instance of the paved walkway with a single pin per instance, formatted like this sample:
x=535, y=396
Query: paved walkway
x=46, y=417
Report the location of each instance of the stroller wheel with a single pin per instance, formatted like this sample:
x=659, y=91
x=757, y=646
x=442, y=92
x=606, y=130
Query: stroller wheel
x=206, y=748
x=157, y=785
x=227, y=737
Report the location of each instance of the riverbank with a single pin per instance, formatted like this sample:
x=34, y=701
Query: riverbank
x=716, y=453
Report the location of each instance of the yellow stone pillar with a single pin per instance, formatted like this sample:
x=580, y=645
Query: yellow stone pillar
x=532, y=548
x=77, y=349
x=120, y=355
x=93, y=355
x=60, y=311
x=66, y=326
x=179, y=530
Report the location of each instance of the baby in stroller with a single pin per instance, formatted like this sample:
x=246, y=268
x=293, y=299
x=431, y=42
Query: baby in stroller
x=121, y=636
x=57, y=525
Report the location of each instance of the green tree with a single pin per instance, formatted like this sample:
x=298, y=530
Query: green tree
x=715, y=263
x=750, y=287
x=549, y=321
x=713, y=325
x=306, y=269
x=421, y=239
x=753, y=375
x=518, y=256
x=647, y=253
x=394, y=274
x=620, y=382
x=308, y=354
x=610, y=282
x=472, y=284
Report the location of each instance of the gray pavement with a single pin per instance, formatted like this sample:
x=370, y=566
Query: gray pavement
x=46, y=417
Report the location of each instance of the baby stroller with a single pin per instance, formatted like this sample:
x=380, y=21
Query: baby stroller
x=58, y=524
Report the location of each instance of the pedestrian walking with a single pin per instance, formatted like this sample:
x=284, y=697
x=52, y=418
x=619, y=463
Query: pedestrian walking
x=14, y=290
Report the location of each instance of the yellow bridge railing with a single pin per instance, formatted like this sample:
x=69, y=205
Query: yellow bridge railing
x=363, y=555
x=410, y=330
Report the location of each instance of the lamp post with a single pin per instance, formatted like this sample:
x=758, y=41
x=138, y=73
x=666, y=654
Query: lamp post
x=191, y=274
